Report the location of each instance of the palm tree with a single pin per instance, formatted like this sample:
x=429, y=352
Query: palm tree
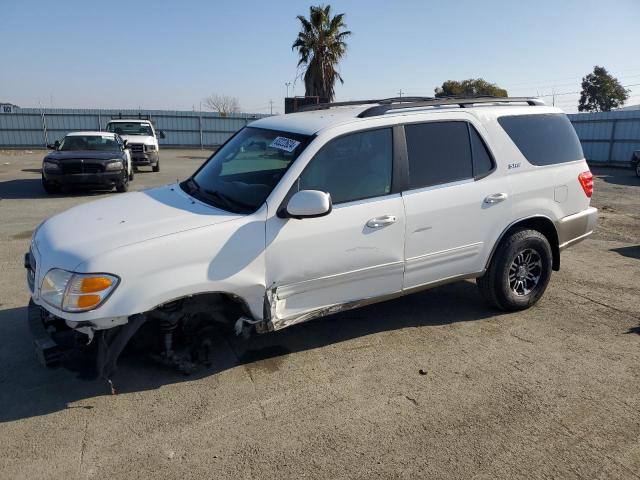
x=321, y=45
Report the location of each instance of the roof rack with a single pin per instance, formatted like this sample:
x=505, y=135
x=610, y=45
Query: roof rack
x=131, y=117
x=385, y=105
x=383, y=101
x=462, y=102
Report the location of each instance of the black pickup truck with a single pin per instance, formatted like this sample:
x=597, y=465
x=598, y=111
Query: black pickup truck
x=94, y=159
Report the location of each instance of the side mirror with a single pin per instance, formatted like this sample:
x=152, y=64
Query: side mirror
x=309, y=204
x=50, y=146
x=161, y=134
x=55, y=146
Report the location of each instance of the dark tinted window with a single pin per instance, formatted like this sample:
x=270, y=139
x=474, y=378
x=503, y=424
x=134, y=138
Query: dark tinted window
x=482, y=163
x=439, y=152
x=352, y=167
x=544, y=139
x=104, y=143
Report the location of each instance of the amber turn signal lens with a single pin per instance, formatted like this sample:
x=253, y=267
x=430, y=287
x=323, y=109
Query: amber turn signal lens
x=95, y=284
x=86, y=301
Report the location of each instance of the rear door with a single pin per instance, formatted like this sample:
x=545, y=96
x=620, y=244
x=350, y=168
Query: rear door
x=315, y=265
x=456, y=203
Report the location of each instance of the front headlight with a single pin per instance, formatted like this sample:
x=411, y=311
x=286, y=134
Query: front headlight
x=76, y=292
x=114, y=165
x=50, y=167
x=151, y=148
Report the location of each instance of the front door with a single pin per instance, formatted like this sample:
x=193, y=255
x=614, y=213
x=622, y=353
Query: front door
x=316, y=265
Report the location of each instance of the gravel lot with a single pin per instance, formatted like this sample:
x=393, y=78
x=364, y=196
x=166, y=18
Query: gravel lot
x=553, y=392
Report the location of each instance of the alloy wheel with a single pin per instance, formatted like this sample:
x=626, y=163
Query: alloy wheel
x=525, y=272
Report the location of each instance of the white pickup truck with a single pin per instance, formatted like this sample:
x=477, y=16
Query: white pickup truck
x=142, y=140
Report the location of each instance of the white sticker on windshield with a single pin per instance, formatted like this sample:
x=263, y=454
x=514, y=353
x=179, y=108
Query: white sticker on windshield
x=284, y=143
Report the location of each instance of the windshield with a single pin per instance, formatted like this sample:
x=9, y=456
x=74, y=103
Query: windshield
x=106, y=143
x=240, y=176
x=130, y=128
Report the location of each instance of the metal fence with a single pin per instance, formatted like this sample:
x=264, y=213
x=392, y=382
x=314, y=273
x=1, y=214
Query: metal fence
x=34, y=127
x=608, y=138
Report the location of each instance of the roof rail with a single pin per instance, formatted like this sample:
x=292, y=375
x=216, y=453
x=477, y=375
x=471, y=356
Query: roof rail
x=384, y=105
x=383, y=101
x=462, y=102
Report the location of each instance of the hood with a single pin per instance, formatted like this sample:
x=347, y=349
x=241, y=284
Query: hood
x=146, y=139
x=82, y=232
x=84, y=154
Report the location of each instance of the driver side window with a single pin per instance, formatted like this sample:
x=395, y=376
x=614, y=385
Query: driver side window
x=352, y=167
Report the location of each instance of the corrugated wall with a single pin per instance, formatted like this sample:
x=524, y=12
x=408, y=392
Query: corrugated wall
x=32, y=127
x=608, y=137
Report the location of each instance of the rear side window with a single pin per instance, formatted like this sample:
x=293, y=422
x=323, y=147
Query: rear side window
x=439, y=152
x=543, y=139
x=482, y=163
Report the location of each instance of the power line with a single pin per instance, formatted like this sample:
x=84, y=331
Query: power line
x=573, y=93
x=537, y=83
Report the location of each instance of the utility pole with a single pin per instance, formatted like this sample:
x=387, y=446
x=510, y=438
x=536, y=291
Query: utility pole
x=271, y=107
x=287, y=84
x=553, y=96
x=400, y=93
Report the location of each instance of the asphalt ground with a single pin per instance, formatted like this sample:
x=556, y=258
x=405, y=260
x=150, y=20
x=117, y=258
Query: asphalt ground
x=433, y=385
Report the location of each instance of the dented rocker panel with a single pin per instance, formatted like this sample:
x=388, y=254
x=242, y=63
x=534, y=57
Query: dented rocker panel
x=277, y=322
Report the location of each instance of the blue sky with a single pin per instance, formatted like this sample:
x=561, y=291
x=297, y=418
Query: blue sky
x=170, y=55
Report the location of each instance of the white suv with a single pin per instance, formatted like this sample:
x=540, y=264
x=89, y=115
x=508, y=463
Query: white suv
x=303, y=215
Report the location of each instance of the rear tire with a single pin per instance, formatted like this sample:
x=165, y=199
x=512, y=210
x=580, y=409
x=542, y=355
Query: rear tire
x=131, y=174
x=519, y=271
x=638, y=169
x=156, y=167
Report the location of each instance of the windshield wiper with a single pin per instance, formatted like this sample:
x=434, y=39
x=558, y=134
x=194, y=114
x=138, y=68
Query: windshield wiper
x=225, y=201
x=231, y=203
x=192, y=185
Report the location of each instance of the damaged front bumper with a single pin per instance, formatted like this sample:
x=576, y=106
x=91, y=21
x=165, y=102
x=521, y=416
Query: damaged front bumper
x=57, y=344
x=48, y=349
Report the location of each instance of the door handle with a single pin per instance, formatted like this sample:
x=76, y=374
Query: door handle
x=379, y=222
x=495, y=198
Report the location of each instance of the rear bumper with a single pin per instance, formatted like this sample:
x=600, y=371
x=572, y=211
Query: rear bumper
x=102, y=179
x=575, y=228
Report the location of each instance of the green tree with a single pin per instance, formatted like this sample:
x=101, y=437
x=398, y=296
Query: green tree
x=321, y=45
x=601, y=92
x=473, y=87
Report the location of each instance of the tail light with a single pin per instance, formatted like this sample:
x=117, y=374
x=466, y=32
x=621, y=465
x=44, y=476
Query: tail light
x=586, y=180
